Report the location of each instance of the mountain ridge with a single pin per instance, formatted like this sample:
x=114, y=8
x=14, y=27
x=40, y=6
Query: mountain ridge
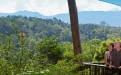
x=111, y=18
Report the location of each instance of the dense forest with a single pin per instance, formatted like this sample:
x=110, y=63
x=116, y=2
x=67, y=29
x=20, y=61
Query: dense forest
x=35, y=46
x=39, y=28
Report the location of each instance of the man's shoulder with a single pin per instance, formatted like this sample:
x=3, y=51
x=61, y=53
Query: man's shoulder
x=114, y=49
x=120, y=50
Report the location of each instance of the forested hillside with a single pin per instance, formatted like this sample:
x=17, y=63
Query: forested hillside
x=26, y=49
x=38, y=28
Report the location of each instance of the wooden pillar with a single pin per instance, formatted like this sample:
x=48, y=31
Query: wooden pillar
x=74, y=27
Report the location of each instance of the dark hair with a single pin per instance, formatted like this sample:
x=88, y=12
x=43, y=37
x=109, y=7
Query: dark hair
x=112, y=44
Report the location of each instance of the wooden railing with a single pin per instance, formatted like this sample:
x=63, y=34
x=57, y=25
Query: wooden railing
x=99, y=69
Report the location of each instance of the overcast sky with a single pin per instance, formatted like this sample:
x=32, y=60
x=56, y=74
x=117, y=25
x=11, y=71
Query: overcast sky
x=53, y=7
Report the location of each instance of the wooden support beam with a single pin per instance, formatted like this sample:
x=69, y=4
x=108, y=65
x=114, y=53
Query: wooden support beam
x=74, y=27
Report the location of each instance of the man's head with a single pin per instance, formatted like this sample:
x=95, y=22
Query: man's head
x=117, y=45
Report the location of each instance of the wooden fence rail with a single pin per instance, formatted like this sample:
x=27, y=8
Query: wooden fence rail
x=99, y=69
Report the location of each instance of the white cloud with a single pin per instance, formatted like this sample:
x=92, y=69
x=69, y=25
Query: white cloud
x=53, y=7
x=49, y=7
x=21, y=4
x=8, y=7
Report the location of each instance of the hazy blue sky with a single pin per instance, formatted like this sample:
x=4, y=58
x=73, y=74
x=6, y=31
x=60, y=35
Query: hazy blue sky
x=53, y=7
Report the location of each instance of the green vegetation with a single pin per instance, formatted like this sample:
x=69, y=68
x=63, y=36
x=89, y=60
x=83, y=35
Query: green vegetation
x=39, y=28
x=34, y=46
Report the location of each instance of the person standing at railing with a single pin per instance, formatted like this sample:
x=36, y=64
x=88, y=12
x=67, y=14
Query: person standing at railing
x=107, y=55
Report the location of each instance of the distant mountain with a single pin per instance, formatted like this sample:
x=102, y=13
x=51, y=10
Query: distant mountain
x=112, y=18
x=24, y=13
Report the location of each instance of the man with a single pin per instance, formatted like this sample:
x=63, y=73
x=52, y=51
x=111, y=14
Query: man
x=116, y=56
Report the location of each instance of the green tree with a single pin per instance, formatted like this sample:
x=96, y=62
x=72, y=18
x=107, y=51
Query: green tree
x=89, y=48
x=50, y=47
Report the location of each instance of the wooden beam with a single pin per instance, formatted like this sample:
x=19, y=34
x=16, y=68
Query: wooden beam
x=74, y=27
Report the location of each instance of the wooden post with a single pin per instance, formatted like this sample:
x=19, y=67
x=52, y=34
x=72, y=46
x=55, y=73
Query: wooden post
x=74, y=27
